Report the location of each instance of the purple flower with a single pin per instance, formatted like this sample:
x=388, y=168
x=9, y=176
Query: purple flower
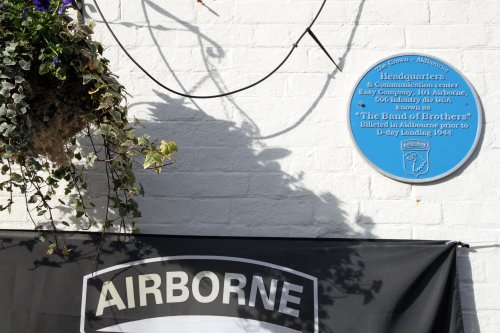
x=25, y=9
x=65, y=4
x=42, y=5
x=55, y=61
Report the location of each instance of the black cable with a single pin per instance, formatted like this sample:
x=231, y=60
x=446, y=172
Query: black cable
x=322, y=47
x=219, y=95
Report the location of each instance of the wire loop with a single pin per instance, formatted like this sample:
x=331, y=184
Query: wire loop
x=295, y=45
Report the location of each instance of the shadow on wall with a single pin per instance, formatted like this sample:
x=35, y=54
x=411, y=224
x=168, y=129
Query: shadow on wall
x=222, y=183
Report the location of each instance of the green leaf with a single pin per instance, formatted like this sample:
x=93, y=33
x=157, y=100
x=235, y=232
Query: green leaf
x=16, y=177
x=7, y=154
x=61, y=73
x=11, y=47
x=106, y=130
x=5, y=168
x=77, y=203
x=11, y=113
x=19, y=79
x=150, y=160
x=23, y=107
x=17, y=97
x=91, y=158
x=44, y=68
x=6, y=129
x=6, y=88
x=158, y=158
x=117, y=116
x=66, y=250
x=8, y=62
x=25, y=64
x=143, y=140
x=50, y=250
x=89, y=117
x=167, y=148
x=154, y=159
x=87, y=78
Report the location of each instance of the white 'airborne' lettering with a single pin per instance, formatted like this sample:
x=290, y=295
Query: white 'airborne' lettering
x=130, y=292
x=181, y=286
x=145, y=290
x=177, y=291
x=287, y=298
x=258, y=283
x=116, y=300
x=238, y=289
x=196, y=287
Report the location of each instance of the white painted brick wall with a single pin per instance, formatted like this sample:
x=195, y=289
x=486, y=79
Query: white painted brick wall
x=277, y=160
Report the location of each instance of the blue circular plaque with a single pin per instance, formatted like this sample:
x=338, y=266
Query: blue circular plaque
x=415, y=118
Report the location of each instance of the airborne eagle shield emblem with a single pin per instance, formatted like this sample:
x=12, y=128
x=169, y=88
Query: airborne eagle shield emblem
x=416, y=157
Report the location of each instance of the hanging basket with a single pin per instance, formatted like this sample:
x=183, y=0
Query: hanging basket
x=55, y=85
x=56, y=110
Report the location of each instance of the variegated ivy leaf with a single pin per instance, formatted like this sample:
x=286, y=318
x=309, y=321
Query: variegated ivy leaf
x=17, y=97
x=6, y=88
x=8, y=62
x=25, y=64
x=3, y=110
x=6, y=129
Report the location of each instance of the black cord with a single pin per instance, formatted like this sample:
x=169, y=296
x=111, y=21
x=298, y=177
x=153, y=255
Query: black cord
x=313, y=36
x=295, y=45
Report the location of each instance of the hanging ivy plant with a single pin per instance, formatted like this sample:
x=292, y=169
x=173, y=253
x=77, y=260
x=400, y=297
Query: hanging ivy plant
x=55, y=87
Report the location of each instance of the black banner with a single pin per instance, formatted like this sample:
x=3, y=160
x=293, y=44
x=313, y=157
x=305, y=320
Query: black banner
x=152, y=284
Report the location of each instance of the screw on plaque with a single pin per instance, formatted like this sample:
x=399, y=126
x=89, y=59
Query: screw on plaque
x=361, y=104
